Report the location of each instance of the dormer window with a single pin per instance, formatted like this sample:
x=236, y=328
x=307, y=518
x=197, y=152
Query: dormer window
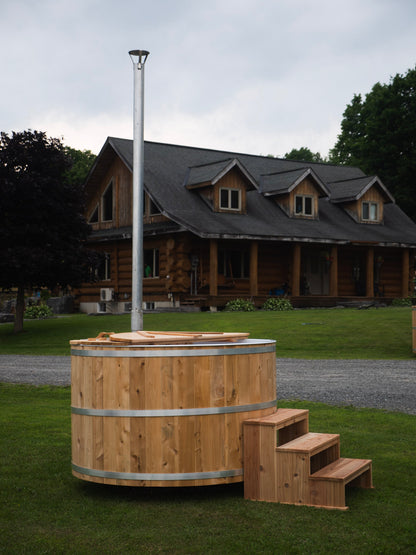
x=230, y=199
x=304, y=205
x=369, y=211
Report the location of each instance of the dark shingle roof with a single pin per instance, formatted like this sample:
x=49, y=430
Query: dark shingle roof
x=353, y=189
x=284, y=182
x=167, y=167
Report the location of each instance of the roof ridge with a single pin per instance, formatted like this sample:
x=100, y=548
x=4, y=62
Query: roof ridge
x=352, y=179
x=286, y=171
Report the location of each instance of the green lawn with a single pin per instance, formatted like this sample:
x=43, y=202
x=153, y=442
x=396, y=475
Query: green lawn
x=44, y=509
x=384, y=333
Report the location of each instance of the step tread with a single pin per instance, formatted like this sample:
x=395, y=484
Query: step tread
x=343, y=469
x=280, y=418
x=311, y=443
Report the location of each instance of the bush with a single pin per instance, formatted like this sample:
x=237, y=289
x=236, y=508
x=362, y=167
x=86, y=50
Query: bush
x=407, y=301
x=38, y=312
x=277, y=303
x=239, y=305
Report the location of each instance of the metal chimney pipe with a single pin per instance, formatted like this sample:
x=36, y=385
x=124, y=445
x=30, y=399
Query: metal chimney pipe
x=138, y=58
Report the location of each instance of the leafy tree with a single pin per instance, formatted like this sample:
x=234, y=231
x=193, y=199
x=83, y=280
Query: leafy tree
x=81, y=163
x=378, y=134
x=42, y=231
x=303, y=154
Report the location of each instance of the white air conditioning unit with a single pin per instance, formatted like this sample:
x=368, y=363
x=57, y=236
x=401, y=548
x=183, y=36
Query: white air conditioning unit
x=106, y=294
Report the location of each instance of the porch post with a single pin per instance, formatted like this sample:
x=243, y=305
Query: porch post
x=295, y=286
x=254, y=257
x=369, y=287
x=405, y=273
x=213, y=267
x=333, y=273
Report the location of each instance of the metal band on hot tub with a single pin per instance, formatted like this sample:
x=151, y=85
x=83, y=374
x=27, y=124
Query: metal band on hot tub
x=163, y=477
x=132, y=353
x=199, y=411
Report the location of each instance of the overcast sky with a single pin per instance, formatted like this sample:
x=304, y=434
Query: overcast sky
x=253, y=76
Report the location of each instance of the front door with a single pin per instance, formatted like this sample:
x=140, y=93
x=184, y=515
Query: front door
x=316, y=273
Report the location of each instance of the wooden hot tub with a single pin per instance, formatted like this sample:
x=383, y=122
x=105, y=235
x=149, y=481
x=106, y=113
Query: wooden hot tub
x=167, y=411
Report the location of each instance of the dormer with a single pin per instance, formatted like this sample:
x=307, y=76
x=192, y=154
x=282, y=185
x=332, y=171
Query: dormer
x=223, y=185
x=297, y=192
x=362, y=198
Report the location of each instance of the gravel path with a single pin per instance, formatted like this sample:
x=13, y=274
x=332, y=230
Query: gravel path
x=383, y=384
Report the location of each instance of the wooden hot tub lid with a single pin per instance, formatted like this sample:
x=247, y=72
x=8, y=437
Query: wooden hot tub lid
x=160, y=337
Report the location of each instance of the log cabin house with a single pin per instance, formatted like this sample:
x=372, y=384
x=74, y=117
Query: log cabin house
x=220, y=225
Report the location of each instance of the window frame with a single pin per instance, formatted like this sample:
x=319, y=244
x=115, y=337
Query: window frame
x=370, y=204
x=103, y=271
x=303, y=211
x=95, y=215
x=229, y=191
x=155, y=266
x=104, y=207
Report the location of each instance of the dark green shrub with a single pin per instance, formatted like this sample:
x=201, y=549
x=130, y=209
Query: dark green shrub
x=239, y=305
x=277, y=303
x=38, y=312
x=407, y=301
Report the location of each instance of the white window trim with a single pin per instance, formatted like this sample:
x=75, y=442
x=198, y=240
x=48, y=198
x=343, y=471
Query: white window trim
x=370, y=204
x=155, y=255
x=96, y=209
x=303, y=213
x=229, y=190
x=102, y=202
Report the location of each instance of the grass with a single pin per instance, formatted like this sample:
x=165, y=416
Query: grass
x=44, y=509
x=382, y=333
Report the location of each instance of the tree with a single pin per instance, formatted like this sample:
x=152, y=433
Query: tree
x=42, y=230
x=378, y=134
x=81, y=163
x=303, y=154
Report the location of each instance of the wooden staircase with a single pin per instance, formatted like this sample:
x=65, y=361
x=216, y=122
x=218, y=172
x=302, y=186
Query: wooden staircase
x=285, y=463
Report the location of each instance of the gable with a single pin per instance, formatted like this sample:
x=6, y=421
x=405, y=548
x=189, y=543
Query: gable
x=297, y=191
x=363, y=198
x=223, y=185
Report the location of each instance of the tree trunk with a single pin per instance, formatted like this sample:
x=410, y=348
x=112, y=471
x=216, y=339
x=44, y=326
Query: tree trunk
x=20, y=309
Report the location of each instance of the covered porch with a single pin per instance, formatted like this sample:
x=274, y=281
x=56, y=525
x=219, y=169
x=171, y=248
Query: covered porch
x=310, y=274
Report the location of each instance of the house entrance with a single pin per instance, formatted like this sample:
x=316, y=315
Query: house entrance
x=315, y=275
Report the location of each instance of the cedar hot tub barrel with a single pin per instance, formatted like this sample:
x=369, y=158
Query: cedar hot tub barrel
x=170, y=413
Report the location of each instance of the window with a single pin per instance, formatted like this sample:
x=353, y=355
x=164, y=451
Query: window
x=230, y=199
x=107, y=204
x=103, y=270
x=234, y=263
x=94, y=216
x=149, y=207
x=303, y=205
x=370, y=211
x=151, y=263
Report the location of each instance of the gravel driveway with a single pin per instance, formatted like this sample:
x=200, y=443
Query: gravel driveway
x=383, y=384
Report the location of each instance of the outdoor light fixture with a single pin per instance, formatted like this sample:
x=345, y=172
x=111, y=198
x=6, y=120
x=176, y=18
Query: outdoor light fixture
x=138, y=58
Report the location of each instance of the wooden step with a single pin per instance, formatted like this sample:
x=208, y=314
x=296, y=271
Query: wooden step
x=310, y=443
x=327, y=485
x=344, y=470
x=281, y=418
